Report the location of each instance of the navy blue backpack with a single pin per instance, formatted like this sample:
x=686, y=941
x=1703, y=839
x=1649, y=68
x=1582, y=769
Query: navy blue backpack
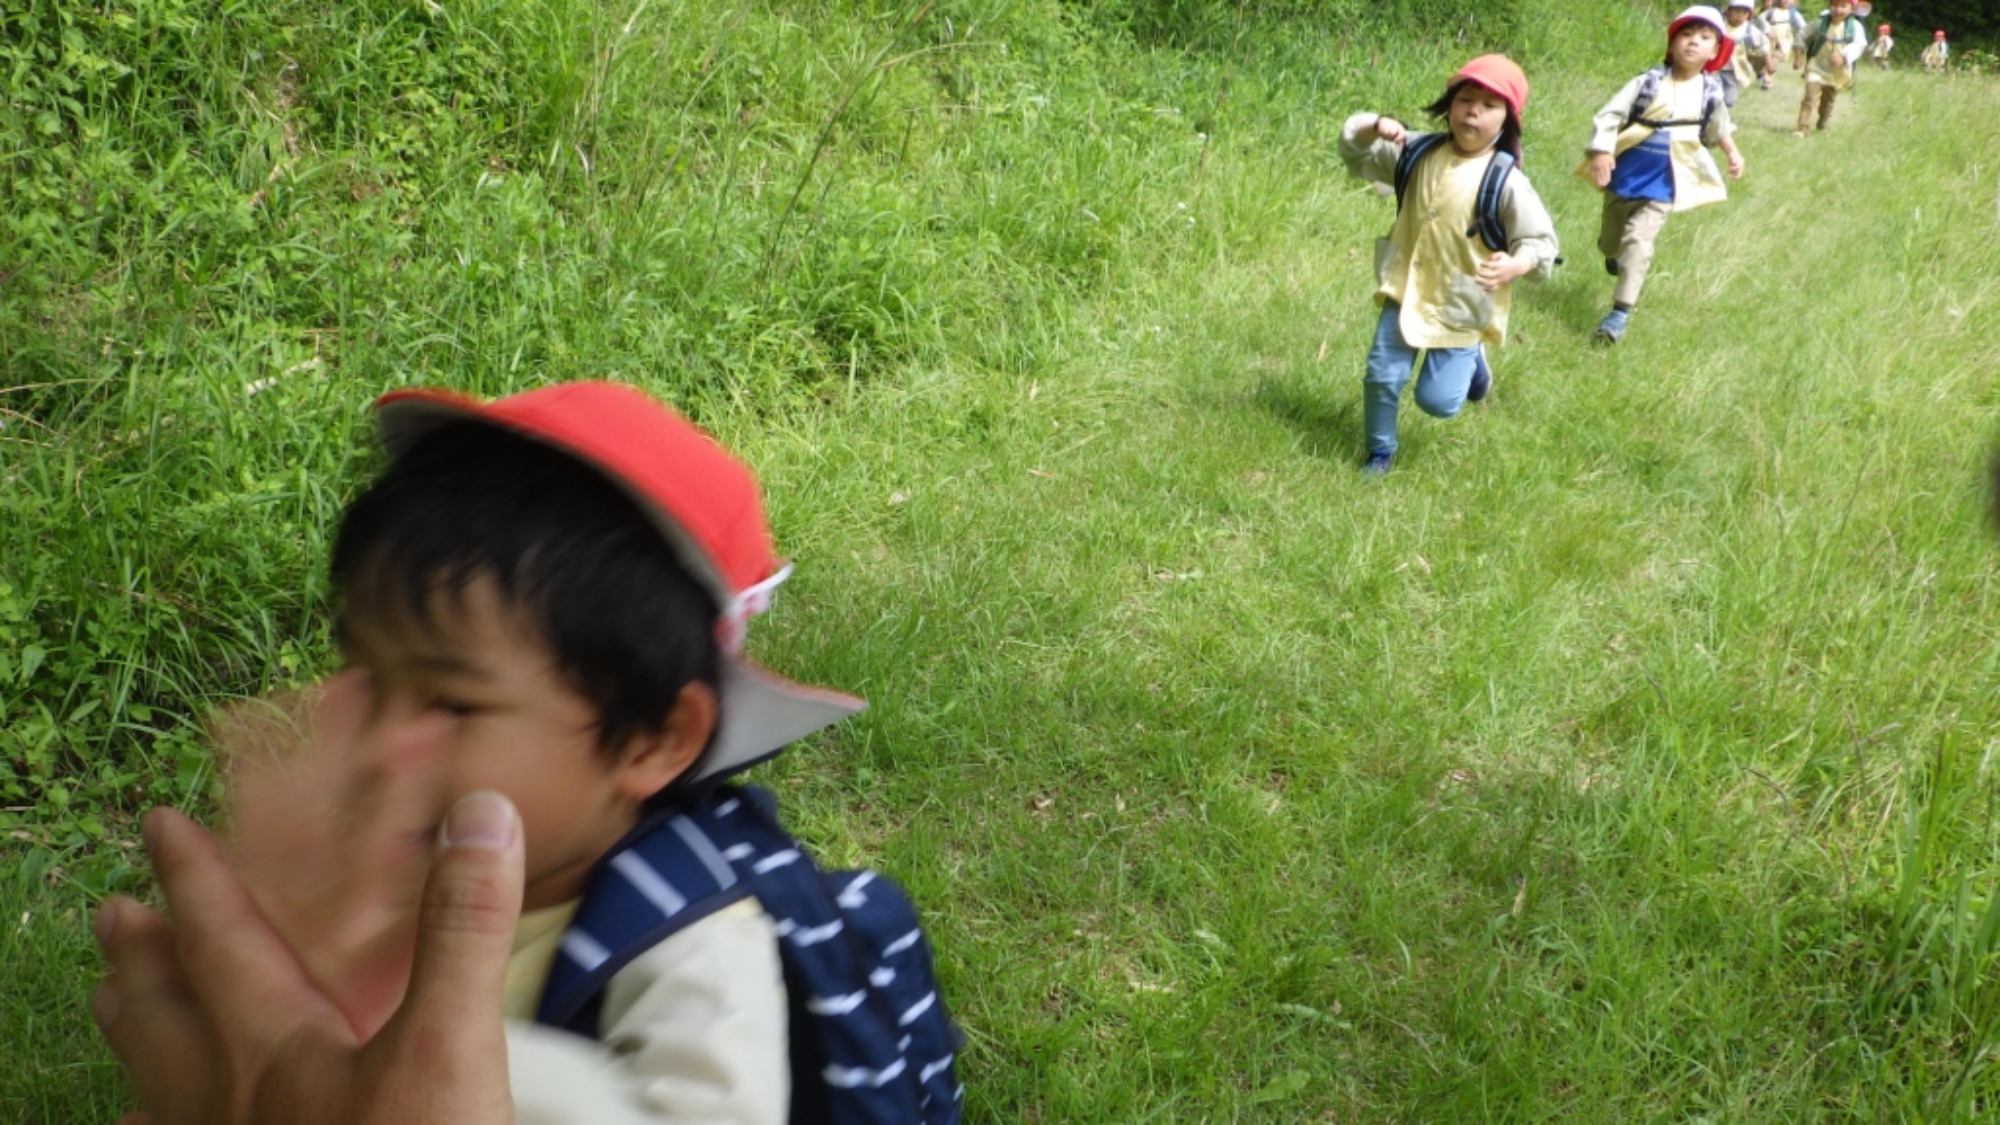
x=1486, y=224
x=870, y=1040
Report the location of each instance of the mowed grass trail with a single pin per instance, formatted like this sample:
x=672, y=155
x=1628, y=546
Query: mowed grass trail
x=1625, y=754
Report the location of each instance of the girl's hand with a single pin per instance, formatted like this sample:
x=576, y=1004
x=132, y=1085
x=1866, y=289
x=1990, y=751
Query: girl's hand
x=1600, y=169
x=332, y=822
x=1389, y=129
x=1500, y=269
x=1736, y=165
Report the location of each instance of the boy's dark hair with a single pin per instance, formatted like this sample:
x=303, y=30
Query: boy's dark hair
x=628, y=626
x=1508, y=141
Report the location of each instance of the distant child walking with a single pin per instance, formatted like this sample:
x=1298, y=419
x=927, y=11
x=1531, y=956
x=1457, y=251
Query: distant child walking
x=1468, y=223
x=1784, y=26
x=1750, y=59
x=1648, y=152
x=1879, y=50
x=1831, y=48
x=1937, y=54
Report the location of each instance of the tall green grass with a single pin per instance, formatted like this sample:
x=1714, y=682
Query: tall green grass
x=1625, y=754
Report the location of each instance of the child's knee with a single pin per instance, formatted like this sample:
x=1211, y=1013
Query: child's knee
x=1437, y=402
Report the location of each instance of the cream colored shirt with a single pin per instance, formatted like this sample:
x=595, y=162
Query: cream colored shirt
x=1697, y=180
x=537, y=937
x=1848, y=50
x=1428, y=263
x=692, y=1032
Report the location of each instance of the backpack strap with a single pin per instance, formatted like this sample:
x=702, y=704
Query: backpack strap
x=870, y=1042
x=1486, y=224
x=1649, y=87
x=1413, y=150
x=1822, y=33
x=1711, y=97
x=668, y=875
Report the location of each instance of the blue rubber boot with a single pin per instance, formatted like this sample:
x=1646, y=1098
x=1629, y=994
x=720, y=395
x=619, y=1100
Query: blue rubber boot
x=1612, y=328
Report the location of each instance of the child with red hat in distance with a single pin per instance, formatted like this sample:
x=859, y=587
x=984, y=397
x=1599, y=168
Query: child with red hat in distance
x=1468, y=224
x=1648, y=153
x=546, y=596
x=1880, y=48
x=1833, y=44
x=1937, y=54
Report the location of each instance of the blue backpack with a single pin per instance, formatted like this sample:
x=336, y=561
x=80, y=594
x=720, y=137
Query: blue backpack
x=1486, y=224
x=870, y=1040
x=1649, y=88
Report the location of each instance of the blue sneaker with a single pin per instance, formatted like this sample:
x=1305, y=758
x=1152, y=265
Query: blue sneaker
x=1377, y=465
x=1612, y=327
x=1482, y=376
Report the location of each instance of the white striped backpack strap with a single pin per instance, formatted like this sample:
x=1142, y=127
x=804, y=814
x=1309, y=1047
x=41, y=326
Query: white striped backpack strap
x=870, y=1039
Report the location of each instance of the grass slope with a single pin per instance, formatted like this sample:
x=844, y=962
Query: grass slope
x=1624, y=754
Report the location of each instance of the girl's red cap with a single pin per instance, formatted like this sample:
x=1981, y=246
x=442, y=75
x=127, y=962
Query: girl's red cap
x=1499, y=74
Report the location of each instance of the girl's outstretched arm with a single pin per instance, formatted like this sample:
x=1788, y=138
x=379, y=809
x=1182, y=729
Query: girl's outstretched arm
x=1370, y=143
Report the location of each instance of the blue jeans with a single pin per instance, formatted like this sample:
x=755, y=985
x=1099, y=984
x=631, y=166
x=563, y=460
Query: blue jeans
x=1441, y=385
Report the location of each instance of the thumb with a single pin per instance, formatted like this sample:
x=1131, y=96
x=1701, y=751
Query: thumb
x=465, y=927
x=443, y=1056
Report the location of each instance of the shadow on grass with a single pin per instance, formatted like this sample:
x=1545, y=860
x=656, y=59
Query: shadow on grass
x=1328, y=426
x=1582, y=295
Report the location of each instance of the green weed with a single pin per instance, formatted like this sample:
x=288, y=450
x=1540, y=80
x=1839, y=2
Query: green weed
x=1625, y=754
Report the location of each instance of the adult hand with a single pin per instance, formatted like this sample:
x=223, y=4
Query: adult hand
x=331, y=823
x=217, y=1022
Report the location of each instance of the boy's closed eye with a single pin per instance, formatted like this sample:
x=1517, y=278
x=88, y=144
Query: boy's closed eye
x=456, y=708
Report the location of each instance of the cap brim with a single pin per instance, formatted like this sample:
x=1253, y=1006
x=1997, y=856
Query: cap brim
x=763, y=712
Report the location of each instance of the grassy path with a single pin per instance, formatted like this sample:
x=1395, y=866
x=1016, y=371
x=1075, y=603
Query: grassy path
x=1623, y=755
x=1575, y=771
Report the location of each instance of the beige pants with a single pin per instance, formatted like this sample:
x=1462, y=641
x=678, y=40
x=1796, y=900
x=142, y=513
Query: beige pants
x=1626, y=232
x=1825, y=93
